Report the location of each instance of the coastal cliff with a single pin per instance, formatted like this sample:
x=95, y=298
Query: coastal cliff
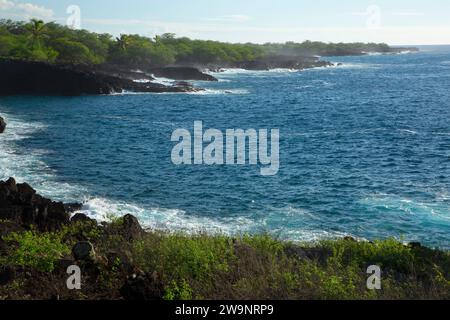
x=19, y=77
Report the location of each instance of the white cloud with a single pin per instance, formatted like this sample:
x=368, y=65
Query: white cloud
x=25, y=10
x=34, y=10
x=231, y=18
x=6, y=5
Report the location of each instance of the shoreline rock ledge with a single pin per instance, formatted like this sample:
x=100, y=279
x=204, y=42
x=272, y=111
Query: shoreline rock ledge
x=2, y=125
x=20, y=203
x=19, y=77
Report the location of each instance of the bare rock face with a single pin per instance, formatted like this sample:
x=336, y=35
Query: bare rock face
x=83, y=251
x=2, y=125
x=21, y=204
x=81, y=217
x=19, y=77
x=131, y=229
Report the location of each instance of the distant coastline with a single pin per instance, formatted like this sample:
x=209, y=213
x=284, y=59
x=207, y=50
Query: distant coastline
x=50, y=59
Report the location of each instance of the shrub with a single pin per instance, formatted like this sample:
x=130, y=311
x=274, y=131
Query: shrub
x=181, y=291
x=38, y=251
x=184, y=257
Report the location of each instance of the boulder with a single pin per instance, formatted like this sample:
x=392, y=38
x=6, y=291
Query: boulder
x=131, y=229
x=72, y=207
x=56, y=215
x=2, y=125
x=81, y=217
x=21, y=204
x=415, y=245
x=25, y=192
x=11, y=185
x=83, y=251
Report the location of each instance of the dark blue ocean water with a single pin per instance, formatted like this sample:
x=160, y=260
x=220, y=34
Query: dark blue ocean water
x=365, y=151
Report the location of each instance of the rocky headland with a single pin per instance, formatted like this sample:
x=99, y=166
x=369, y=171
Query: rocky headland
x=19, y=77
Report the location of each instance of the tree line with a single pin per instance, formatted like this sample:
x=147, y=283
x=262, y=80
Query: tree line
x=54, y=43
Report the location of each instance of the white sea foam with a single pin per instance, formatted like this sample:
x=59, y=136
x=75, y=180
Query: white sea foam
x=233, y=71
x=237, y=71
x=408, y=131
x=26, y=165
x=142, y=81
x=373, y=53
x=174, y=220
x=219, y=92
x=344, y=65
x=204, y=92
x=164, y=81
x=158, y=80
x=438, y=212
x=316, y=84
x=358, y=66
x=164, y=219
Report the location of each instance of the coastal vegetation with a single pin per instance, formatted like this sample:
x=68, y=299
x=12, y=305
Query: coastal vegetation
x=120, y=260
x=54, y=43
x=184, y=267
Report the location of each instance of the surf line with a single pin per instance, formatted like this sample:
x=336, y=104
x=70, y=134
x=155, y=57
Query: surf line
x=215, y=147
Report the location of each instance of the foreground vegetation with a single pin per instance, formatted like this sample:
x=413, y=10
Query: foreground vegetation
x=178, y=266
x=54, y=43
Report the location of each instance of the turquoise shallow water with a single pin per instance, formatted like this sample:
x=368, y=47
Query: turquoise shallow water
x=365, y=151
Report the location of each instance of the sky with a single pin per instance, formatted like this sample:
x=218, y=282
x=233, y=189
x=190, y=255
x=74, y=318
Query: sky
x=399, y=22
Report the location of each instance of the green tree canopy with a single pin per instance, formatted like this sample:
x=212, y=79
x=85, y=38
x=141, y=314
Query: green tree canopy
x=52, y=42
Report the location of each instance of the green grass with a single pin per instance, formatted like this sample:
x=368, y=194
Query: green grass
x=248, y=267
x=260, y=267
x=38, y=251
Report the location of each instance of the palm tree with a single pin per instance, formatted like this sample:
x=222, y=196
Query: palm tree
x=157, y=39
x=36, y=29
x=123, y=41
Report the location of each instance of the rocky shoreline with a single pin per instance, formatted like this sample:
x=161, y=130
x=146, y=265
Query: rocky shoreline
x=276, y=62
x=37, y=78
x=40, y=240
x=18, y=77
x=21, y=204
x=2, y=125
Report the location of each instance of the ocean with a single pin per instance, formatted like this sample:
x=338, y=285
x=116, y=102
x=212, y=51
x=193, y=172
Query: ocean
x=364, y=152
